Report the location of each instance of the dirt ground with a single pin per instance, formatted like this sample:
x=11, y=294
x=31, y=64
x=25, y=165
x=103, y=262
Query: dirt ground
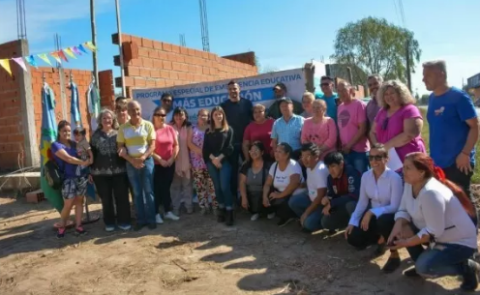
x=195, y=255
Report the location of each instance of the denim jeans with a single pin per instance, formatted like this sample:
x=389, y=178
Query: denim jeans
x=441, y=260
x=357, y=160
x=299, y=203
x=141, y=181
x=221, y=179
x=341, y=209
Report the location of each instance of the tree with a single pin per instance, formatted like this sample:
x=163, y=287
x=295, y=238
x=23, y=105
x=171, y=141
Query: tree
x=375, y=46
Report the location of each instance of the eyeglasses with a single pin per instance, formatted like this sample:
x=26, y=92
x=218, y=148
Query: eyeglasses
x=375, y=158
x=160, y=115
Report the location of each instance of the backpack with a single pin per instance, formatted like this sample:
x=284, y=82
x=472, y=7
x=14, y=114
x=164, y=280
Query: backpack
x=53, y=174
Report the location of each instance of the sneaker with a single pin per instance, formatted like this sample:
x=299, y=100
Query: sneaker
x=152, y=226
x=470, y=276
x=392, y=264
x=61, y=232
x=255, y=217
x=125, y=227
x=271, y=216
x=221, y=215
x=80, y=231
x=109, y=228
x=284, y=221
x=229, y=218
x=170, y=215
x=411, y=273
x=158, y=219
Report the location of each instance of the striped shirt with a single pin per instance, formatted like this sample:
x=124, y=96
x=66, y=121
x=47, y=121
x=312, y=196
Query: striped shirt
x=136, y=139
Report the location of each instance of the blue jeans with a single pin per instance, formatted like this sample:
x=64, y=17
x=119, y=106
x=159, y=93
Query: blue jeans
x=221, y=179
x=442, y=260
x=358, y=160
x=141, y=181
x=299, y=203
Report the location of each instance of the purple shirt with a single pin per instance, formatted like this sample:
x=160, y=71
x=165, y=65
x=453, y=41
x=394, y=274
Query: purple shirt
x=372, y=110
x=388, y=128
x=69, y=170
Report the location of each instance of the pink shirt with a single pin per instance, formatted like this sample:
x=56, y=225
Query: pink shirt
x=349, y=118
x=165, y=142
x=321, y=133
x=386, y=130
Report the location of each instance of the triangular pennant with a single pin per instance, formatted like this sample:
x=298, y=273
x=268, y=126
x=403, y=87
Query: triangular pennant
x=20, y=62
x=56, y=56
x=82, y=48
x=44, y=57
x=62, y=55
x=90, y=46
x=31, y=60
x=75, y=50
x=69, y=52
x=5, y=63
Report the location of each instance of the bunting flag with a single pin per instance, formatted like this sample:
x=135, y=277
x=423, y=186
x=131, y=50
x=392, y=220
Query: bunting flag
x=90, y=46
x=59, y=56
x=56, y=56
x=31, y=60
x=62, y=55
x=44, y=57
x=69, y=52
x=5, y=63
x=20, y=62
x=76, y=51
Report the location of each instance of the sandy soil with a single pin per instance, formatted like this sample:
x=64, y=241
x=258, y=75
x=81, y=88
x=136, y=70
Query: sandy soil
x=193, y=256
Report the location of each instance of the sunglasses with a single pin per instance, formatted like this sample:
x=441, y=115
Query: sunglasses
x=375, y=158
x=160, y=115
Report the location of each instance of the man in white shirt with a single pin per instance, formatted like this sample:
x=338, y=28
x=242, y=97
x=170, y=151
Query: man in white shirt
x=307, y=206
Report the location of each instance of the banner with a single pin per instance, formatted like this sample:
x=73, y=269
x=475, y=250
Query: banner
x=193, y=97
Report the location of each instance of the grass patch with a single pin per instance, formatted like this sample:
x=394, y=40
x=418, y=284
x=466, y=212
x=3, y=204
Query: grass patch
x=426, y=138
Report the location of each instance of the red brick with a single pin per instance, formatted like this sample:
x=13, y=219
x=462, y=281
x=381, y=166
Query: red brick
x=151, y=83
x=175, y=48
x=173, y=75
x=167, y=47
x=147, y=43
x=155, y=73
x=158, y=45
x=167, y=65
x=139, y=82
x=147, y=62
x=132, y=71
x=164, y=74
x=152, y=53
x=157, y=64
x=145, y=73
x=143, y=52
x=184, y=50
x=176, y=66
x=160, y=83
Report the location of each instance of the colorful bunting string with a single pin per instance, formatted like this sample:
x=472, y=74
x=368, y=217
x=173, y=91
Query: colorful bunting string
x=31, y=60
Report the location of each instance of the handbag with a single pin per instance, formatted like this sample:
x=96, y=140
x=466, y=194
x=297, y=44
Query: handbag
x=276, y=202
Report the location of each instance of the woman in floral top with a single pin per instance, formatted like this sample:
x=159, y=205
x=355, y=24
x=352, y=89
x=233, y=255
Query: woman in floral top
x=109, y=173
x=201, y=179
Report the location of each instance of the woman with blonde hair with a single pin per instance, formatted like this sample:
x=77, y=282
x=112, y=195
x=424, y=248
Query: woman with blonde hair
x=399, y=122
x=307, y=100
x=201, y=180
x=110, y=173
x=217, y=154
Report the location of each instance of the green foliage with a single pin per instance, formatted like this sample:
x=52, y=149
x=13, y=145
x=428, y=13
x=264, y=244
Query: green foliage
x=376, y=47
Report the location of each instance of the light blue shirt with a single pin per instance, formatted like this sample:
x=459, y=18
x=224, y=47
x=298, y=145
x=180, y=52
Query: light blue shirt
x=331, y=102
x=288, y=132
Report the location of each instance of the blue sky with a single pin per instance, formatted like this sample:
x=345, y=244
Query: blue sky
x=284, y=34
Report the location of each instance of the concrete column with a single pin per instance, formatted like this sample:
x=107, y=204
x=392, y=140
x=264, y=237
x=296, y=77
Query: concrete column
x=32, y=152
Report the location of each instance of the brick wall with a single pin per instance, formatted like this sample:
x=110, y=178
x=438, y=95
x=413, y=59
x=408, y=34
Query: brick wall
x=107, y=91
x=11, y=129
x=150, y=63
x=246, y=58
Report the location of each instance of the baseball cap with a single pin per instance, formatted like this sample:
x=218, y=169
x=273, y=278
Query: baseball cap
x=280, y=85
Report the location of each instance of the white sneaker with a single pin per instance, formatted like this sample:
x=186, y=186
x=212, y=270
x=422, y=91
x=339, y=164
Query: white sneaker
x=109, y=228
x=171, y=216
x=254, y=217
x=271, y=216
x=158, y=219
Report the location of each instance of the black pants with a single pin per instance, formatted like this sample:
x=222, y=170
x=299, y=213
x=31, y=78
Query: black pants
x=463, y=180
x=162, y=180
x=114, y=188
x=255, y=203
x=281, y=208
x=377, y=227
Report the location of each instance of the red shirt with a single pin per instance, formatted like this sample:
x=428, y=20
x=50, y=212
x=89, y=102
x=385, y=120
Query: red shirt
x=260, y=132
x=165, y=142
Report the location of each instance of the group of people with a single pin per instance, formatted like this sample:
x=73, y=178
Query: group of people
x=308, y=161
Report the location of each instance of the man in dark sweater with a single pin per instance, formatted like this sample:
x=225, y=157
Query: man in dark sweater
x=239, y=113
x=280, y=92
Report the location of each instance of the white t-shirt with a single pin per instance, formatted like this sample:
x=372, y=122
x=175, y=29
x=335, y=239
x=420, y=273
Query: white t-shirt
x=316, y=179
x=282, y=178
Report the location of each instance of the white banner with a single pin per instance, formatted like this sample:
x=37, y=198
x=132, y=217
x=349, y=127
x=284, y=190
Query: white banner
x=193, y=97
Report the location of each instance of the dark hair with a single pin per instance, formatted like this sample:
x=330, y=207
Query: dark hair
x=312, y=148
x=80, y=130
x=424, y=162
x=333, y=158
x=259, y=145
x=232, y=82
x=324, y=78
x=179, y=110
x=120, y=98
x=286, y=148
x=165, y=95
x=156, y=110
x=60, y=126
x=381, y=148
